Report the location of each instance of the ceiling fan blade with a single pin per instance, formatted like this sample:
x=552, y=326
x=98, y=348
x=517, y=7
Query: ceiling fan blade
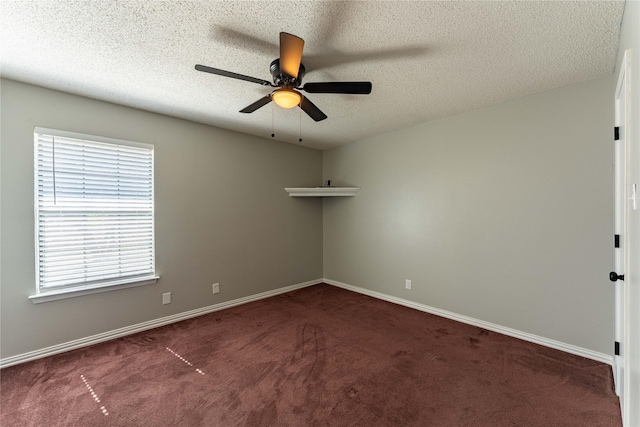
x=357, y=88
x=259, y=103
x=232, y=75
x=310, y=108
x=290, y=53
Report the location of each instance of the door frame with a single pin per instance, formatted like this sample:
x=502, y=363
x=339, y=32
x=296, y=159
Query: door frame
x=629, y=126
x=621, y=154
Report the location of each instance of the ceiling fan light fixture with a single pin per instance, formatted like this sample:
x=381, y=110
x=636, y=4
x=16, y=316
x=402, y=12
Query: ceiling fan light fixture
x=286, y=98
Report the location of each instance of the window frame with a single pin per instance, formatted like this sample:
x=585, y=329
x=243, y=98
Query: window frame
x=96, y=286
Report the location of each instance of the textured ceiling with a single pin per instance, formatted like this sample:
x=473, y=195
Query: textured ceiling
x=426, y=59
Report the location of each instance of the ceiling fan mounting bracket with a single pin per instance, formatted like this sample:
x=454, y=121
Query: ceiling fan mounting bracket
x=282, y=79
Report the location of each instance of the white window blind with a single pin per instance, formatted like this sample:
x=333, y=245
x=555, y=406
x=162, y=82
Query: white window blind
x=94, y=211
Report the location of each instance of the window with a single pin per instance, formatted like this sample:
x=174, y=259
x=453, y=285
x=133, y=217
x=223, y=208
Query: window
x=93, y=214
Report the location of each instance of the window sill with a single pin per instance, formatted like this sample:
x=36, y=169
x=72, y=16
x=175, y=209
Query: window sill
x=57, y=294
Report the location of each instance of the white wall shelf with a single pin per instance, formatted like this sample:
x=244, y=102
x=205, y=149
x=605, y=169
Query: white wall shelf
x=322, y=191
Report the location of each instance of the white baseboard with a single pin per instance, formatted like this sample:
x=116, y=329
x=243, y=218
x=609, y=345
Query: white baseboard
x=128, y=330
x=558, y=345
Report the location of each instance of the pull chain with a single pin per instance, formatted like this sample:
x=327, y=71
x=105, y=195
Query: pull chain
x=300, y=134
x=273, y=135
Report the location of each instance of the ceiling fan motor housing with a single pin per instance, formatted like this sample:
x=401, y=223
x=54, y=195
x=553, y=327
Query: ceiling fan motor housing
x=282, y=79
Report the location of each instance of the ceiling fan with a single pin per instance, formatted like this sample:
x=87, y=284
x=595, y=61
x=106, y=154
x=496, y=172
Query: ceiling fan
x=287, y=72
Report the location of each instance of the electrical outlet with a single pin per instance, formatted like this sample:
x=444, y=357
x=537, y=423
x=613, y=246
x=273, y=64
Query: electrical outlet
x=166, y=298
x=216, y=288
x=407, y=284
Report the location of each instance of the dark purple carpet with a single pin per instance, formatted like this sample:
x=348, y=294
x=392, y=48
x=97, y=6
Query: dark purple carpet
x=319, y=356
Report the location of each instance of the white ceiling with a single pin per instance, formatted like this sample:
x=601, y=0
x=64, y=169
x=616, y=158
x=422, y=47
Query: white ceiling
x=426, y=59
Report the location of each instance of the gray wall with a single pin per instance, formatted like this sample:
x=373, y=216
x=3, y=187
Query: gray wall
x=503, y=214
x=222, y=215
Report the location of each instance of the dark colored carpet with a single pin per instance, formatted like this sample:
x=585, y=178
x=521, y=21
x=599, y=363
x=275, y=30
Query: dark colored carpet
x=319, y=356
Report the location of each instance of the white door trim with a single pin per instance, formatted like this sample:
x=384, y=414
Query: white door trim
x=620, y=228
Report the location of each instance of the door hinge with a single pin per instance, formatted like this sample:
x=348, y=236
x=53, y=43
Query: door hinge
x=616, y=241
x=616, y=133
x=616, y=349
